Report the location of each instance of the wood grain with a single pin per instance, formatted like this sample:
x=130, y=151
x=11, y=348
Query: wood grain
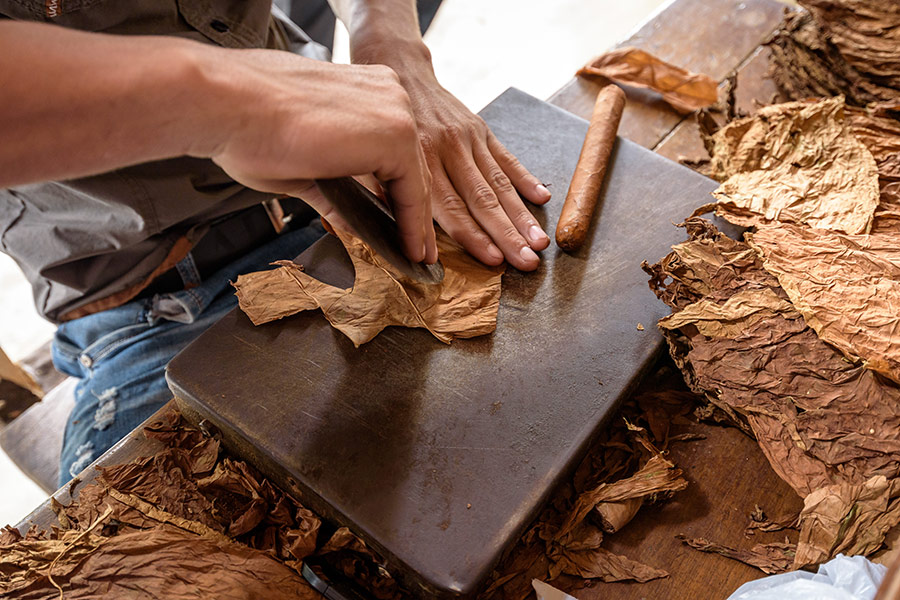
x=705, y=36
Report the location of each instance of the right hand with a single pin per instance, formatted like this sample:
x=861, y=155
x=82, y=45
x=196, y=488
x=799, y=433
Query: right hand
x=286, y=120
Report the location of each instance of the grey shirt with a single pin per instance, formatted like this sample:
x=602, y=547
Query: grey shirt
x=93, y=243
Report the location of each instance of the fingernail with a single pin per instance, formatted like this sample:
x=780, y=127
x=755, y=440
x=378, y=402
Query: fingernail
x=494, y=252
x=536, y=234
x=528, y=254
x=542, y=190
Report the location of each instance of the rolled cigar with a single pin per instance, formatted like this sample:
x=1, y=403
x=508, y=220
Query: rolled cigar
x=584, y=191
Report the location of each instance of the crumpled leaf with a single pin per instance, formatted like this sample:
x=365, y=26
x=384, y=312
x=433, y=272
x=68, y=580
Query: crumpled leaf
x=847, y=518
x=776, y=557
x=731, y=318
x=657, y=476
x=819, y=419
x=10, y=371
x=806, y=64
x=682, y=90
x=599, y=563
x=463, y=305
x=795, y=162
x=350, y=555
x=162, y=562
x=865, y=32
x=878, y=129
x=162, y=480
x=847, y=287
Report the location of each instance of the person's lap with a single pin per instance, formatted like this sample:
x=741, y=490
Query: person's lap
x=120, y=355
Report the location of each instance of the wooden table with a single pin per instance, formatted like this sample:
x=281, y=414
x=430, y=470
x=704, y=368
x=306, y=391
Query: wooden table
x=728, y=474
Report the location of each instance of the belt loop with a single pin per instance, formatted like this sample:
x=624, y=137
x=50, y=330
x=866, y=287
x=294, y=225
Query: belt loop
x=188, y=271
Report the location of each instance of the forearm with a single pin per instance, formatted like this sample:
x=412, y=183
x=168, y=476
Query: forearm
x=75, y=103
x=385, y=32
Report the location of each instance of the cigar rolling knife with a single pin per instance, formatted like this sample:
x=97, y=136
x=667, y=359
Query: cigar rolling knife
x=373, y=223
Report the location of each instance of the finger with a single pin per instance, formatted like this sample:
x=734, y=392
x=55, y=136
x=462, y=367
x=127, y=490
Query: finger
x=485, y=207
x=527, y=184
x=525, y=223
x=408, y=186
x=454, y=218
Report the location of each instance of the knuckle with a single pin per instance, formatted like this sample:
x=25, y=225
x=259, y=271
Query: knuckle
x=453, y=205
x=455, y=134
x=509, y=232
x=483, y=198
x=500, y=182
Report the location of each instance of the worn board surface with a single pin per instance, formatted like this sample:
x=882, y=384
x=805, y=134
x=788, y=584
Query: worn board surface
x=397, y=438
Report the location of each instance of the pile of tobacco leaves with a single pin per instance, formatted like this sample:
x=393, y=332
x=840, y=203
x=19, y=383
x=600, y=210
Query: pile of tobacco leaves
x=792, y=332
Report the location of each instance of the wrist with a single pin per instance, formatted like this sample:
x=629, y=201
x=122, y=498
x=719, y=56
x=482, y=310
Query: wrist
x=408, y=56
x=211, y=97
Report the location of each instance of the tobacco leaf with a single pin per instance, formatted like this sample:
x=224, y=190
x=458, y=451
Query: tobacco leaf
x=161, y=562
x=760, y=522
x=806, y=64
x=865, y=32
x=847, y=287
x=350, y=555
x=819, y=419
x=847, y=518
x=599, y=563
x=879, y=130
x=10, y=371
x=795, y=162
x=657, y=476
x=776, y=557
x=463, y=305
x=162, y=480
x=682, y=90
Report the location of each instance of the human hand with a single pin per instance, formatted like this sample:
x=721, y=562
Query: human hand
x=474, y=178
x=292, y=120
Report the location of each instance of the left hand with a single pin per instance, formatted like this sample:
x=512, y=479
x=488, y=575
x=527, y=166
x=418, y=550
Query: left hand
x=474, y=179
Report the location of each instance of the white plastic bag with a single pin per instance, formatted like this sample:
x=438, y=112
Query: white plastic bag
x=841, y=578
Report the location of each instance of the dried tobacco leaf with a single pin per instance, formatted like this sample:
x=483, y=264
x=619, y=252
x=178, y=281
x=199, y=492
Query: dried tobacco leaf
x=819, y=419
x=865, y=32
x=795, y=162
x=657, y=476
x=682, y=90
x=161, y=562
x=599, y=563
x=776, y=557
x=881, y=135
x=847, y=287
x=163, y=481
x=806, y=64
x=463, y=305
x=847, y=518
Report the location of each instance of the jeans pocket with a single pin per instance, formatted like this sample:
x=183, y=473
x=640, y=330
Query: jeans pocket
x=110, y=343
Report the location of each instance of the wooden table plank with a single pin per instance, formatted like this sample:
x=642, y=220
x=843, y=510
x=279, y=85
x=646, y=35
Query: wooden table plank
x=753, y=89
x=705, y=36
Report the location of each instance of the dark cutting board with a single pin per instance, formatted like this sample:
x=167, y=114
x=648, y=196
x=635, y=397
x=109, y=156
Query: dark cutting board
x=439, y=456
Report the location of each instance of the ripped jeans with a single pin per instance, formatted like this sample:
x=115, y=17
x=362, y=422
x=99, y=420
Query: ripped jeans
x=120, y=355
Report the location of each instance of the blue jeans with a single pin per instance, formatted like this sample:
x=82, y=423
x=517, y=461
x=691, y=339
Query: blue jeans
x=120, y=355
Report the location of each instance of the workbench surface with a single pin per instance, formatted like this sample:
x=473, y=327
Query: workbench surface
x=727, y=472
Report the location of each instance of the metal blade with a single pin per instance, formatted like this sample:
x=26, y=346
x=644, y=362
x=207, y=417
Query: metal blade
x=371, y=221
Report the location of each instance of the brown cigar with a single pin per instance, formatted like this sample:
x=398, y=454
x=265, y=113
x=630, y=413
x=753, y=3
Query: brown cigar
x=584, y=191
